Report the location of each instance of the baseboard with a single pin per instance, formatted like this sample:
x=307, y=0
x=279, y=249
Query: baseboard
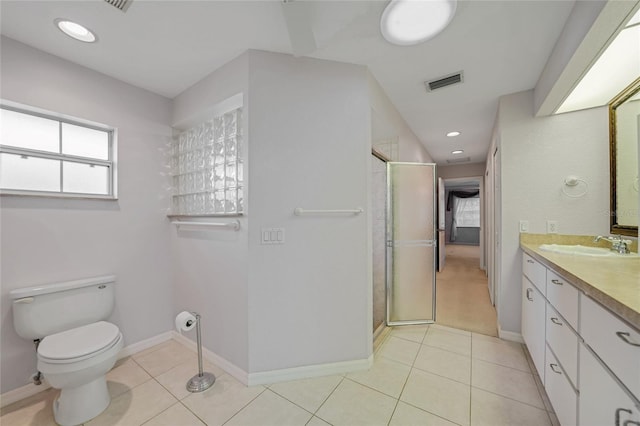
x=30, y=389
x=309, y=371
x=510, y=335
x=227, y=366
x=144, y=344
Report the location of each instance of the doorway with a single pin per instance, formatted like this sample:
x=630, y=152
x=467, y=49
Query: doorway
x=463, y=297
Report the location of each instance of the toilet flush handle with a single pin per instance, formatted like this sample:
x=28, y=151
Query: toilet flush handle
x=24, y=300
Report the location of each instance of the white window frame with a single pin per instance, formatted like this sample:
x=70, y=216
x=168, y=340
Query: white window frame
x=110, y=163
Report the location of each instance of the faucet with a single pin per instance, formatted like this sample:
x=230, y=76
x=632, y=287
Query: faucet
x=617, y=243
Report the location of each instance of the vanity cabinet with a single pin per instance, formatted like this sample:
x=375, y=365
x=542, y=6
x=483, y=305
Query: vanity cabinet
x=587, y=357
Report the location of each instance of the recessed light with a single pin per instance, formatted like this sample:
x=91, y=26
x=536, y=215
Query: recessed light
x=453, y=134
x=75, y=30
x=407, y=22
x=457, y=151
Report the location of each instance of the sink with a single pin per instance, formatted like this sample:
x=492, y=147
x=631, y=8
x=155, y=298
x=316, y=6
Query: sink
x=587, y=251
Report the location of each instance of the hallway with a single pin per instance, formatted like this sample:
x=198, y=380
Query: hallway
x=462, y=296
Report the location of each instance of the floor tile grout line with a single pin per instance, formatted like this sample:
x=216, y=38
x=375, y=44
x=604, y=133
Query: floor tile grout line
x=373, y=389
x=191, y=411
x=427, y=411
x=509, y=398
x=440, y=375
x=244, y=406
x=502, y=365
x=327, y=398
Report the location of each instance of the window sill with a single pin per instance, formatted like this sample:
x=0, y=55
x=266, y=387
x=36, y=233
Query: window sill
x=43, y=194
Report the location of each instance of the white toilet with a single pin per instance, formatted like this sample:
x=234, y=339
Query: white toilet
x=77, y=348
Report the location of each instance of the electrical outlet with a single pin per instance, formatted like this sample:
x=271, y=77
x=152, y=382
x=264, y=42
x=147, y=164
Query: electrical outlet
x=552, y=227
x=524, y=226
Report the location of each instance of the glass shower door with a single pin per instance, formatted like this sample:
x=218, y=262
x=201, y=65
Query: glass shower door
x=411, y=243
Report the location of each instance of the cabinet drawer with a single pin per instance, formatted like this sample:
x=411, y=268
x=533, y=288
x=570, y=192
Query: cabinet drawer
x=602, y=400
x=564, y=343
x=615, y=342
x=564, y=298
x=561, y=394
x=535, y=271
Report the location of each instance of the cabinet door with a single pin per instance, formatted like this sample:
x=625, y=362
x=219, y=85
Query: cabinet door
x=533, y=324
x=602, y=400
x=535, y=271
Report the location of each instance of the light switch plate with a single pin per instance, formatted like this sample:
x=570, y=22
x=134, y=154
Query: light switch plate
x=524, y=226
x=272, y=236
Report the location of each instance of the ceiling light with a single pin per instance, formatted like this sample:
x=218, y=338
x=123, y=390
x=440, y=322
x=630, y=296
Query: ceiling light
x=453, y=134
x=75, y=30
x=407, y=22
x=458, y=151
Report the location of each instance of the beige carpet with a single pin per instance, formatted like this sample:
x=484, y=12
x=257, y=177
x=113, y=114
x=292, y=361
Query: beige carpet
x=462, y=296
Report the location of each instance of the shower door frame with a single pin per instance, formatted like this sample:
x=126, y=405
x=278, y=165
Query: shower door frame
x=390, y=244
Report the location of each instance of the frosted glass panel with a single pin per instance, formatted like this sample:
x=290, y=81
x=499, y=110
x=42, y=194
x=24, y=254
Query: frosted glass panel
x=85, y=142
x=29, y=131
x=412, y=298
x=29, y=173
x=411, y=252
x=413, y=201
x=85, y=178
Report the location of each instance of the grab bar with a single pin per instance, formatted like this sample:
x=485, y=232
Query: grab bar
x=298, y=211
x=235, y=225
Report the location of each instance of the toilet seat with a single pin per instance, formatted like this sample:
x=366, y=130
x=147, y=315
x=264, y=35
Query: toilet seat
x=79, y=343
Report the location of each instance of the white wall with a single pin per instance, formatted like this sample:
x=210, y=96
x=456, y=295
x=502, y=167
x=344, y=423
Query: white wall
x=410, y=148
x=310, y=298
x=536, y=155
x=46, y=240
x=461, y=170
x=210, y=273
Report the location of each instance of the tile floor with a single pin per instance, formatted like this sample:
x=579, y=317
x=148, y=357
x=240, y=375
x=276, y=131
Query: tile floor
x=422, y=375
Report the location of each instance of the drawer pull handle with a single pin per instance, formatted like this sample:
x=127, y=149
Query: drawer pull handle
x=529, y=291
x=529, y=261
x=553, y=368
x=625, y=337
x=618, y=415
x=631, y=422
x=556, y=282
x=556, y=321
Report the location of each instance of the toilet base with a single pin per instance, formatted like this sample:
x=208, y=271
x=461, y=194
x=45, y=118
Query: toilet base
x=78, y=405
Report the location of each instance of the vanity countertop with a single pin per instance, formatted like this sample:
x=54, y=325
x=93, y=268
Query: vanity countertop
x=615, y=283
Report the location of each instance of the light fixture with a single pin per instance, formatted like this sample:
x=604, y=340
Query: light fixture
x=408, y=22
x=453, y=134
x=457, y=151
x=75, y=30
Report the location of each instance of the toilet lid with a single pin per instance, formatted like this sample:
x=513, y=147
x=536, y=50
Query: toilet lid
x=78, y=342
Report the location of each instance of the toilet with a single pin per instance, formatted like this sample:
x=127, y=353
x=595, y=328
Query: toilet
x=77, y=348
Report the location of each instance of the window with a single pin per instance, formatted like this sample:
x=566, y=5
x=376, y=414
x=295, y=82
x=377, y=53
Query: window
x=44, y=155
x=466, y=212
x=207, y=168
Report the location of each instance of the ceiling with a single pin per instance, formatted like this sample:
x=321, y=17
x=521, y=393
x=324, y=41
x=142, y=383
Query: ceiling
x=167, y=46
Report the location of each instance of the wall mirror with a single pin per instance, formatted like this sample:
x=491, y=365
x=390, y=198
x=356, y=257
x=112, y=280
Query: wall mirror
x=624, y=134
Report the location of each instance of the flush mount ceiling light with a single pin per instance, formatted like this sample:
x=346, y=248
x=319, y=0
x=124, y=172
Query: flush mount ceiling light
x=457, y=151
x=408, y=22
x=453, y=134
x=75, y=30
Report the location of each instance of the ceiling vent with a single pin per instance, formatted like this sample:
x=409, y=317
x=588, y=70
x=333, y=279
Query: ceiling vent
x=445, y=81
x=459, y=160
x=122, y=5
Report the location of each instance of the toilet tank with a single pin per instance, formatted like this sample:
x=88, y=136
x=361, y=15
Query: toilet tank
x=47, y=309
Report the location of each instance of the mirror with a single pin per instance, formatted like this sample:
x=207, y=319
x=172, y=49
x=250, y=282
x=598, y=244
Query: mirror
x=624, y=134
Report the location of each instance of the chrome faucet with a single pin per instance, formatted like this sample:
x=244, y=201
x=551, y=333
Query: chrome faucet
x=617, y=243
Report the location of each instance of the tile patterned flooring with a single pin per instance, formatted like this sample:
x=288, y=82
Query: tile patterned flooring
x=422, y=375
